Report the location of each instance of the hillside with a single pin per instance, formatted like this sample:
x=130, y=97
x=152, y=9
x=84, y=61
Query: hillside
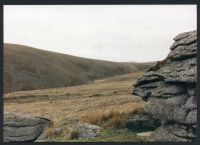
x=88, y=103
x=27, y=68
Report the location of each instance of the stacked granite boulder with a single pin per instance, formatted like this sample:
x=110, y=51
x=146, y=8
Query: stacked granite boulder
x=170, y=89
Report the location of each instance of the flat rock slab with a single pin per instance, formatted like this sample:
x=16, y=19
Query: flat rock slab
x=183, y=71
x=20, y=128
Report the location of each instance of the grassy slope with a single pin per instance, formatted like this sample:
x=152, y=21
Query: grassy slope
x=27, y=68
x=85, y=103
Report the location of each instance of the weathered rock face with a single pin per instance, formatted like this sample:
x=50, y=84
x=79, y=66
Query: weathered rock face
x=170, y=89
x=142, y=122
x=23, y=128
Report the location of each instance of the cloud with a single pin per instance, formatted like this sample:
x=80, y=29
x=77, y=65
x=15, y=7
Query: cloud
x=111, y=32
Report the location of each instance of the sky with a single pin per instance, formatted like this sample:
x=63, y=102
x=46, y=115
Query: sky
x=121, y=33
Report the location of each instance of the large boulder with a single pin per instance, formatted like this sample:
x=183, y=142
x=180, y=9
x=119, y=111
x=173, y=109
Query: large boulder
x=19, y=128
x=170, y=89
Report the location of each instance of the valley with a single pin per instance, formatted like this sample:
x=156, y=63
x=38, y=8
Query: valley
x=68, y=106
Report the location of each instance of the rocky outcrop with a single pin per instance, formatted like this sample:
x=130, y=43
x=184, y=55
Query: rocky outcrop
x=170, y=89
x=19, y=128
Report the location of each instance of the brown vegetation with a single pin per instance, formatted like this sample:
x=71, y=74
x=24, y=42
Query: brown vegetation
x=112, y=118
x=72, y=103
x=107, y=102
x=73, y=133
x=27, y=68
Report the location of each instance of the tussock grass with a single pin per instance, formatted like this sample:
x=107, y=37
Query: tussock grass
x=99, y=117
x=67, y=106
x=49, y=133
x=110, y=118
x=72, y=103
x=73, y=133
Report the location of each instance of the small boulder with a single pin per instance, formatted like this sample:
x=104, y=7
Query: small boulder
x=85, y=130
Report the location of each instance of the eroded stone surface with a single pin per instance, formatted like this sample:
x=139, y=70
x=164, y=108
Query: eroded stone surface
x=142, y=122
x=88, y=130
x=185, y=38
x=170, y=90
x=18, y=128
x=183, y=71
x=84, y=130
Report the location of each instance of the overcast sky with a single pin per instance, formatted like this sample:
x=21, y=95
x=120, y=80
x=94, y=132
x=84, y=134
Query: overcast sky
x=120, y=33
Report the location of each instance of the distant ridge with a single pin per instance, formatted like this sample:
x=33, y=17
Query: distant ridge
x=27, y=68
